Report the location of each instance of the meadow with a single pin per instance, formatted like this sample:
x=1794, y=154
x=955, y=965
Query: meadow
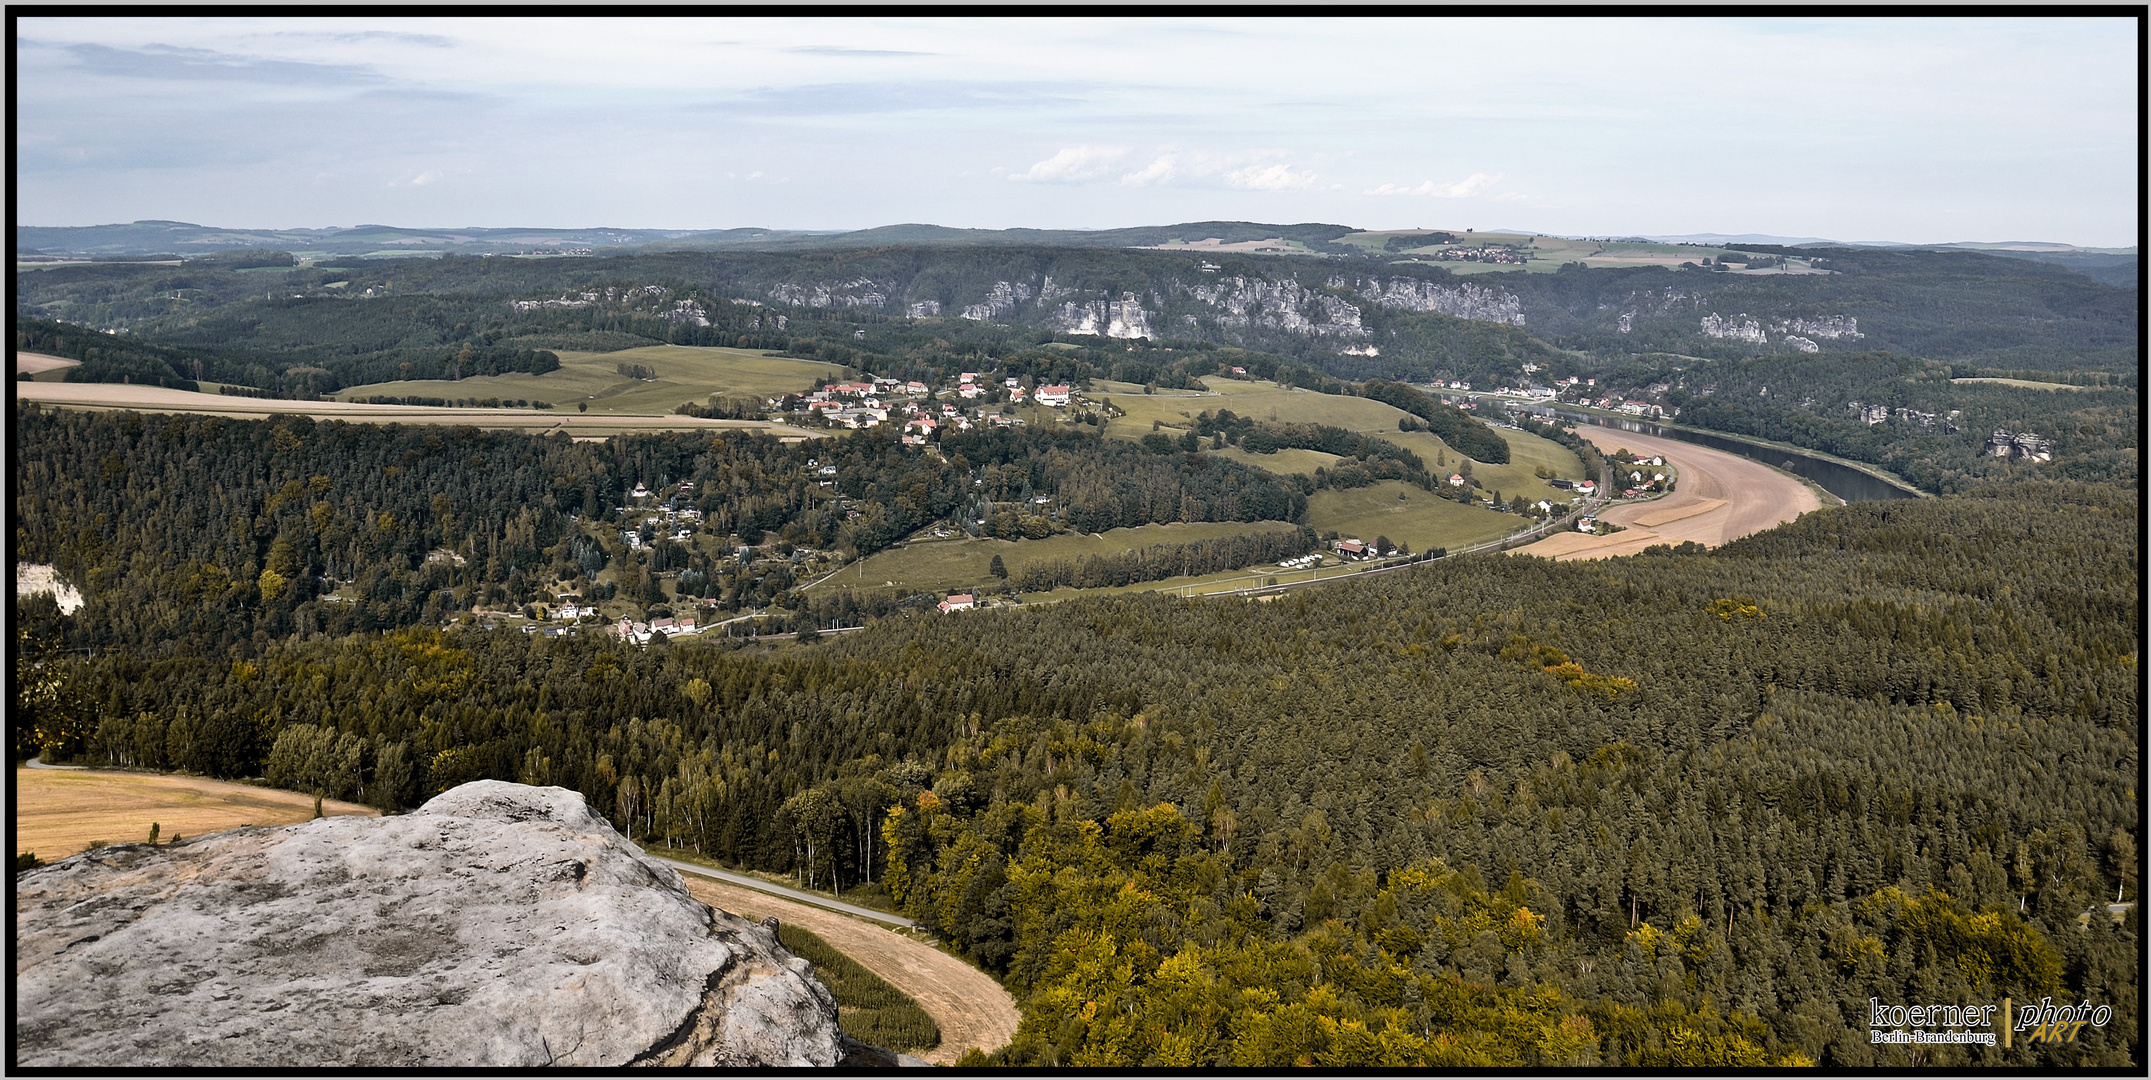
x=684, y=374
x=1406, y=515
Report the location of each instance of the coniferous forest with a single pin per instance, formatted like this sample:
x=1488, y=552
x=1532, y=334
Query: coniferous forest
x=1690, y=808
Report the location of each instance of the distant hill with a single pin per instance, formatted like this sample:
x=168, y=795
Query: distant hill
x=184, y=238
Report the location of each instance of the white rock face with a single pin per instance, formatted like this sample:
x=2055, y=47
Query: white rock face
x=1000, y=302
x=1832, y=327
x=33, y=578
x=498, y=926
x=856, y=293
x=1745, y=329
x=1122, y=318
x=1466, y=301
x=1278, y=305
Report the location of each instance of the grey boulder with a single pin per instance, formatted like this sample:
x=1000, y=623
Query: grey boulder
x=499, y=925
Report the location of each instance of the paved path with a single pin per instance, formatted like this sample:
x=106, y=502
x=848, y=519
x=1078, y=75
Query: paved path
x=779, y=890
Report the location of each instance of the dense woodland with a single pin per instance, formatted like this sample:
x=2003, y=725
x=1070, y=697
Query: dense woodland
x=205, y=533
x=1689, y=808
x=2095, y=431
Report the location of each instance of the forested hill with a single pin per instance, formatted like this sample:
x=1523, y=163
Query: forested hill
x=364, y=320
x=1684, y=809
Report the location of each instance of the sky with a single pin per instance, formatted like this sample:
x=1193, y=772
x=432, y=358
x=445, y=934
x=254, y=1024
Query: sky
x=1920, y=130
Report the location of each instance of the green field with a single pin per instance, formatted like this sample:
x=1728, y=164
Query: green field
x=1527, y=452
x=1283, y=462
x=1264, y=401
x=1408, y=515
x=1269, y=402
x=684, y=374
x=954, y=565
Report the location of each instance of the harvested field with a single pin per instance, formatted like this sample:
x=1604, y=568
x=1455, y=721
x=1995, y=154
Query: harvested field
x=30, y=363
x=1720, y=497
x=160, y=399
x=969, y=1007
x=1664, y=513
x=59, y=812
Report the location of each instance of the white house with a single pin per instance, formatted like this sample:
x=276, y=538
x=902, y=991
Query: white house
x=962, y=601
x=1055, y=396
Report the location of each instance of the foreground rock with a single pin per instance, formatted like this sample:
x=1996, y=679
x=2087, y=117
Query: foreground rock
x=500, y=925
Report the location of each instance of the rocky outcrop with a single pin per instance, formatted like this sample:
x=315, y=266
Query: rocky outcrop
x=1259, y=303
x=1737, y=328
x=856, y=293
x=1832, y=327
x=1000, y=303
x=1466, y=301
x=500, y=925
x=1122, y=318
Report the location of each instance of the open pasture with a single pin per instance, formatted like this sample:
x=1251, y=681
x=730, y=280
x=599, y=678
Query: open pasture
x=683, y=374
x=59, y=812
x=1407, y=515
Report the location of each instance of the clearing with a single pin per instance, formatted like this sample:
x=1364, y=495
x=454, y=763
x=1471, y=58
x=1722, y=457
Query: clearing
x=2027, y=384
x=1407, y=515
x=963, y=563
x=1175, y=412
x=1719, y=497
x=970, y=1008
x=160, y=399
x=59, y=812
x=682, y=374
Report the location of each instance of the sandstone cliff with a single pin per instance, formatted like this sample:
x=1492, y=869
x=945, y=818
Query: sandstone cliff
x=499, y=925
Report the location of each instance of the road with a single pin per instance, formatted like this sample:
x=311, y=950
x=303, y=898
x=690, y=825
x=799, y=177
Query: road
x=779, y=890
x=970, y=1008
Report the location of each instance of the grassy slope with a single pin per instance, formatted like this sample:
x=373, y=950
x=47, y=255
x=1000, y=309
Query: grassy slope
x=954, y=565
x=684, y=374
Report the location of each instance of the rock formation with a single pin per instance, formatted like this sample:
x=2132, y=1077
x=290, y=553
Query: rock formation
x=499, y=925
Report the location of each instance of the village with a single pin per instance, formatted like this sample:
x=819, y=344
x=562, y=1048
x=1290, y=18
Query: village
x=923, y=411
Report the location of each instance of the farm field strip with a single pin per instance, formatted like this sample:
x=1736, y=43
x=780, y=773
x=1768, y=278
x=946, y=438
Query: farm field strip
x=682, y=374
x=159, y=399
x=59, y=812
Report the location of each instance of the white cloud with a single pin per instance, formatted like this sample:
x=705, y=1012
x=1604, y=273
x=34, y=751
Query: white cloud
x=1475, y=184
x=1157, y=172
x=1270, y=178
x=1073, y=165
x=424, y=178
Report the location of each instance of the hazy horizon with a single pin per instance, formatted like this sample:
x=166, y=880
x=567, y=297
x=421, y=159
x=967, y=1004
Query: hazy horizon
x=1914, y=131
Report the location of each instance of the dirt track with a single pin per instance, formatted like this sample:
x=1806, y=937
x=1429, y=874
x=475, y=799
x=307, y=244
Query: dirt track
x=161, y=399
x=1719, y=497
x=971, y=1009
x=58, y=812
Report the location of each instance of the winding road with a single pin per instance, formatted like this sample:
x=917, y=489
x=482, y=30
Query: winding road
x=970, y=1008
